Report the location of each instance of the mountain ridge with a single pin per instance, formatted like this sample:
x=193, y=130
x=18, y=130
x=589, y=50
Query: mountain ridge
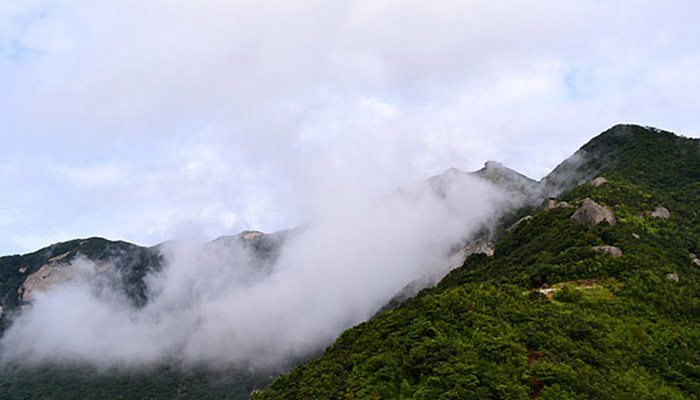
x=549, y=315
x=644, y=168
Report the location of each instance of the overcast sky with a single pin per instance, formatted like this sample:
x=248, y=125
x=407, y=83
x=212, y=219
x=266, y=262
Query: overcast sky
x=151, y=120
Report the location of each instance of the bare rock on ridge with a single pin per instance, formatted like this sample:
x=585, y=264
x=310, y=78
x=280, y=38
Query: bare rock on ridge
x=593, y=213
x=518, y=222
x=598, y=181
x=479, y=246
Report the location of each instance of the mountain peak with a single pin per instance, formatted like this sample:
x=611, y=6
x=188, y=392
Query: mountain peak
x=503, y=176
x=494, y=165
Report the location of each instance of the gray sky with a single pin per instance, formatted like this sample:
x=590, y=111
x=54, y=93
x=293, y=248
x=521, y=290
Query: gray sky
x=147, y=121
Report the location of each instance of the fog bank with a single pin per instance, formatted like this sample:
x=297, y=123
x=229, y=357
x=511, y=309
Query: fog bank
x=214, y=304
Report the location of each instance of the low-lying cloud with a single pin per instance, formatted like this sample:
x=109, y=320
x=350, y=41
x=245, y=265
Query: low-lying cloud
x=212, y=304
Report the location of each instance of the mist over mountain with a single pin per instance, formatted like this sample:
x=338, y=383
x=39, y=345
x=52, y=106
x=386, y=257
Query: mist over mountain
x=253, y=300
x=591, y=295
x=258, y=303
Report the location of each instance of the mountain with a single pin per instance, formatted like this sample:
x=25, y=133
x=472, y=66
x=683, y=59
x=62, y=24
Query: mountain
x=568, y=307
x=124, y=263
x=589, y=294
x=124, y=268
x=511, y=180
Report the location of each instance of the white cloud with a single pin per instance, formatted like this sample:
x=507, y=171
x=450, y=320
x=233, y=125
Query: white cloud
x=211, y=304
x=261, y=109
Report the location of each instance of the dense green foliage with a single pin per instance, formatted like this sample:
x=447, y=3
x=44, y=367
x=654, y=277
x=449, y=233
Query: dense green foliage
x=610, y=328
x=164, y=382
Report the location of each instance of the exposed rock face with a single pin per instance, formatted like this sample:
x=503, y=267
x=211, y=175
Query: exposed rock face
x=250, y=234
x=598, y=181
x=661, y=212
x=54, y=273
x=550, y=203
x=672, y=277
x=593, y=213
x=612, y=250
x=518, y=222
x=479, y=246
x=47, y=276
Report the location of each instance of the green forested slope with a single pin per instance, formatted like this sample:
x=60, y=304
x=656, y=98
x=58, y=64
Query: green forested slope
x=165, y=381
x=610, y=328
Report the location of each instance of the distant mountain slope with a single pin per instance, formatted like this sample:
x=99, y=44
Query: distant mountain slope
x=125, y=268
x=131, y=261
x=563, y=309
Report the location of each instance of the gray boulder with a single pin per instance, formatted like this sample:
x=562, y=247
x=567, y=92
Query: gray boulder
x=694, y=259
x=661, y=212
x=592, y=213
x=479, y=246
x=551, y=203
x=612, y=250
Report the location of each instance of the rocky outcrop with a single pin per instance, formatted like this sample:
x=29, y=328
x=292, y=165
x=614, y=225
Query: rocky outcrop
x=661, y=212
x=518, y=222
x=250, y=234
x=598, y=181
x=694, y=259
x=593, y=213
x=612, y=250
x=672, y=277
x=55, y=272
x=47, y=276
x=551, y=203
x=479, y=246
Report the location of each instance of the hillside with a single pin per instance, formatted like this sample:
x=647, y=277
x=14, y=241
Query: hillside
x=563, y=309
x=544, y=306
x=123, y=267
